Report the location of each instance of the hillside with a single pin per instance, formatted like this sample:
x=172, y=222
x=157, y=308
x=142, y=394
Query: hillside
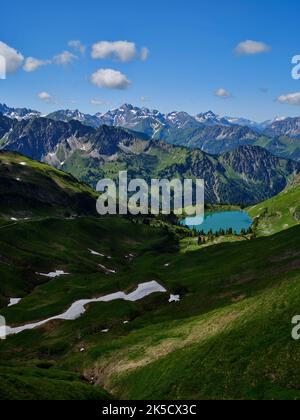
x=216, y=139
x=245, y=176
x=289, y=127
x=29, y=188
x=278, y=213
x=201, y=348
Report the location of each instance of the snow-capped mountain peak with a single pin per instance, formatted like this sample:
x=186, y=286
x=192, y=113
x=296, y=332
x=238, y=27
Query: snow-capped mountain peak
x=210, y=118
x=18, y=113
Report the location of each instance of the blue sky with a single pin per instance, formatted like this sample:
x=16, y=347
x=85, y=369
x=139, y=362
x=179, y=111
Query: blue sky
x=191, y=55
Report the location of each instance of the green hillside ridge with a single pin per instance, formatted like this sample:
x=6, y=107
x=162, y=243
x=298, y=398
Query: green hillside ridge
x=278, y=213
x=29, y=188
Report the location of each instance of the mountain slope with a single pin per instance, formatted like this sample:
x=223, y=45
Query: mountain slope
x=68, y=115
x=246, y=175
x=214, y=139
x=218, y=342
x=280, y=212
x=29, y=188
x=284, y=147
x=43, y=384
x=5, y=125
x=289, y=127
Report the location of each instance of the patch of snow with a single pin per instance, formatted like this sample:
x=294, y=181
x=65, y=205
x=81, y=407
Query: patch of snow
x=174, y=298
x=14, y=301
x=13, y=219
x=96, y=253
x=23, y=163
x=78, y=308
x=82, y=350
x=56, y=273
x=105, y=331
x=107, y=270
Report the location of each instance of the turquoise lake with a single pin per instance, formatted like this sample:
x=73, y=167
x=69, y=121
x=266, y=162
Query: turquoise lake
x=237, y=220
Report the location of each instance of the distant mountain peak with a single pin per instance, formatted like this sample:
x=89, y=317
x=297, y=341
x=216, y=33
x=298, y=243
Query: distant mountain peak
x=18, y=113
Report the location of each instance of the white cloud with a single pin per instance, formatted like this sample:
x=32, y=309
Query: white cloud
x=290, y=99
x=110, y=79
x=65, y=58
x=45, y=96
x=223, y=93
x=32, y=64
x=144, y=53
x=119, y=50
x=252, y=47
x=77, y=46
x=13, y=58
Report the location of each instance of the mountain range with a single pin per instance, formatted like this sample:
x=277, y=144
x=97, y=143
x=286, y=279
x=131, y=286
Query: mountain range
x=245, y=175
x=206, y=131
x=132, y=117
x=18, y=113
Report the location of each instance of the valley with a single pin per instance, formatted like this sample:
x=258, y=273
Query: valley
x=121, y=345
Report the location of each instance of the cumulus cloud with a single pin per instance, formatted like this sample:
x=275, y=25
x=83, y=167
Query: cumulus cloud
x=119, y=50
x=144, y=53
x=45, y=96
x=65, y=58
x=223, y=93
x=251, y=48
x=33, y=64
x=77, y=46
x=110, y=79
x=13, y=58
x=290, y=99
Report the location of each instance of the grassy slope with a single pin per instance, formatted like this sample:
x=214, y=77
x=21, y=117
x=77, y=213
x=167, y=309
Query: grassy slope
x=29, y=188
x=284, y=147
x=28, y=247
x=229, y=337
x=18, y=383
x=280, y=212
